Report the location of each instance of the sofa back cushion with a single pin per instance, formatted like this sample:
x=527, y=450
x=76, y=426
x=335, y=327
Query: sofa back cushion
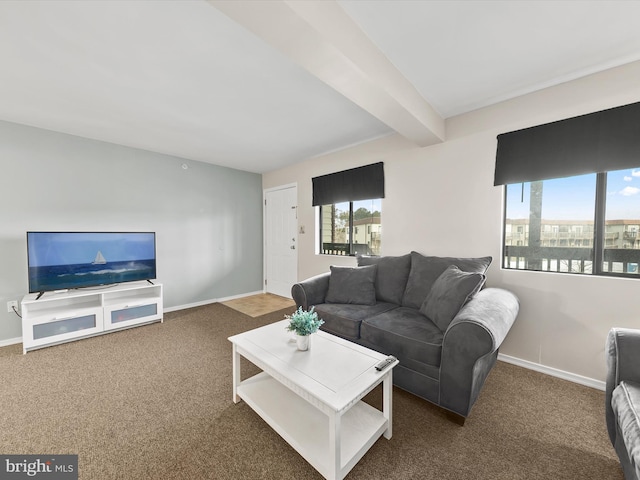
x=425, y=271
x=391, y=276
x=352, y=285
x=449, y=293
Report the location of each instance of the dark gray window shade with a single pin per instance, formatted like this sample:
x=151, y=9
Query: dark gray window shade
x=597, y=142
x=362, y=183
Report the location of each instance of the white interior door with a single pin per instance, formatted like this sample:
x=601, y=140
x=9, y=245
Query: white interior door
x=281, y=240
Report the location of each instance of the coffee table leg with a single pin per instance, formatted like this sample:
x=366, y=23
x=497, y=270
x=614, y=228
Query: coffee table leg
x=387, y=405
x=236, y=374
x=334, y=445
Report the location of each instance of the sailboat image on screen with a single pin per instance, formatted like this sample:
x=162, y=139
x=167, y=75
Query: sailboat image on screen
x=100, y=260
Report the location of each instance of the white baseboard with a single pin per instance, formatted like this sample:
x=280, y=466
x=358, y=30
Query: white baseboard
x=10, y=341
x=554, y=372
x=208, y=302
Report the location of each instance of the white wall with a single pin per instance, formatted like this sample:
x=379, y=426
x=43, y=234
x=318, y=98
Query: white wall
x=440, y=200
x=207, y=219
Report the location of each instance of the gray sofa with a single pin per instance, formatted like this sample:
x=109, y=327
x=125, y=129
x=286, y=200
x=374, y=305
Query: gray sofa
x=622, y=398
x=431, y=313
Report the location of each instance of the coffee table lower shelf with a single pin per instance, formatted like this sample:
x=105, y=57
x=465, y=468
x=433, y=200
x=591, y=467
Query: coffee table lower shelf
x=307, y=429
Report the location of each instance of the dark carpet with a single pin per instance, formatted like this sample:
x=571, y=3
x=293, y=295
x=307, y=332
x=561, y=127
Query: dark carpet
x=154, y=402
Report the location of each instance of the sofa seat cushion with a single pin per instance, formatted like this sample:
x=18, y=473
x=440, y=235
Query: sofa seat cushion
x=426, y=270
x=344, y=319
x=406, y=334
x=625, y=402
x=391, y=276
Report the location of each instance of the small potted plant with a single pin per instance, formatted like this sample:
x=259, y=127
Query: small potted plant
x=303, y=323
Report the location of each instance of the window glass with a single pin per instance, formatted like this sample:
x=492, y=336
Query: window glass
x=622, y=223
x=351, y=228
x=367, y=227
x=556, y=225
x=549, y=225
x=335, y=229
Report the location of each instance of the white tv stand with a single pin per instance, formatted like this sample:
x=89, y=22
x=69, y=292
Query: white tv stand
x=59, y=317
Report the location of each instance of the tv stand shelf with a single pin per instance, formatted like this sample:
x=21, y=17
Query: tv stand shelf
x=58, y=317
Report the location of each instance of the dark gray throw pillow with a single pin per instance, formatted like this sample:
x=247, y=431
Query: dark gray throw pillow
x=449, y=293
x=425, y=270
x=391, y=276
x=352, y=285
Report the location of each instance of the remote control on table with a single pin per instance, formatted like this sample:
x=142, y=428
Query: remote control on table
x=385, y=363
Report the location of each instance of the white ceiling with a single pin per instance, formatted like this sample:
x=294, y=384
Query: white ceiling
x=261, y=85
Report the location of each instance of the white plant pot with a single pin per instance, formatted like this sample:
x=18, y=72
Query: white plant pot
x=302, y=341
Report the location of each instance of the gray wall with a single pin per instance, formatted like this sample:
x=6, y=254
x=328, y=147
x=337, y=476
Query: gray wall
x=207, y=219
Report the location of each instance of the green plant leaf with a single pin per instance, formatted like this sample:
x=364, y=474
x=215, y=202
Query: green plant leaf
x=304, y=322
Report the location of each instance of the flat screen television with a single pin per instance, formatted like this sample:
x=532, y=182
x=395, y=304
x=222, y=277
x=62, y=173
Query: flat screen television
x=68, y=260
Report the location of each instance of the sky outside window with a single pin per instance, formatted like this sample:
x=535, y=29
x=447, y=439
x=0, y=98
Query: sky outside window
x=623, y=195
x=573, y=198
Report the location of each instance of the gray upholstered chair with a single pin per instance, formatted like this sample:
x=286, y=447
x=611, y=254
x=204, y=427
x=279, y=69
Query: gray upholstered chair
x=622, y=398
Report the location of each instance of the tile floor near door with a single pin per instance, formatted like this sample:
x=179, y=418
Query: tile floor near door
x=256, y=305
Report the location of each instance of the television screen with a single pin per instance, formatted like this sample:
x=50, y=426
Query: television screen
x=65, y=260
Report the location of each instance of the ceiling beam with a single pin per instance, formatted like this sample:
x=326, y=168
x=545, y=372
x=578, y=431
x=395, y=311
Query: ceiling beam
x=323, y=39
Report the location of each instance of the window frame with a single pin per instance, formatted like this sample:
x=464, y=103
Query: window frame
x=599, y=237
x=350, y=229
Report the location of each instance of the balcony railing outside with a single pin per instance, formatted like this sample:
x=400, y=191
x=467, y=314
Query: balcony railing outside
x=569, y=235
x=570, y=260
x=343, y=249
x=335, y=248
x=523, y=237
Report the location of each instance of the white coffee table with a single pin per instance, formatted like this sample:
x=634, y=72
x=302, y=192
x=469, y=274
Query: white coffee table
x=313, y=398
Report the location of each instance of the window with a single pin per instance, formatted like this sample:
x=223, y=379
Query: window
x=580, y=176
x=349, y=221
x=351, y=228
x=585, y=224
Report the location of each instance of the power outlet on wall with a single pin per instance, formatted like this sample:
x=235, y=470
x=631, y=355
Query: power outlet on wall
x=11, y=305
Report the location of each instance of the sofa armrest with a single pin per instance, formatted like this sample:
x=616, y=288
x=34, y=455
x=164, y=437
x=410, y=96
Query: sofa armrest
x=470, y=346
x=623, y=364
x=311, y=291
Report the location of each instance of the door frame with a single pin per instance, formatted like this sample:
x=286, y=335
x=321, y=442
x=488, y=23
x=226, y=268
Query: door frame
x=265, y=191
